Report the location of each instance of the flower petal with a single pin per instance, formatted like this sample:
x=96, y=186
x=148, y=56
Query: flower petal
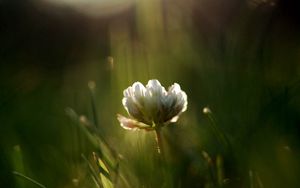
x=174, y=119
x=138, y=90
x=182, y=101
x=174, y=89
x=175, y=103
x=180, y=95
x=155, y=88
x=133, y=100
x=131, y=124
x=131, y=107
x=152, y=105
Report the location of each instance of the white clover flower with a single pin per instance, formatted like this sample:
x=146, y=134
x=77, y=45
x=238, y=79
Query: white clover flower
x=152, y=106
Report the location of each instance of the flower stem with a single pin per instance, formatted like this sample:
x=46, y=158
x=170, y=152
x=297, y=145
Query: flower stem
x=159, y=140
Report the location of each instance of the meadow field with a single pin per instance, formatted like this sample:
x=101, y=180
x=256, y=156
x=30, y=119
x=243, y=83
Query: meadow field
x=64, y=66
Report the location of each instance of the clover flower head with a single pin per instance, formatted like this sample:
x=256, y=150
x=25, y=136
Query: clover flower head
x=152, y=106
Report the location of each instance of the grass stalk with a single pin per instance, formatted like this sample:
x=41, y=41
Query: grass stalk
x=28, y=179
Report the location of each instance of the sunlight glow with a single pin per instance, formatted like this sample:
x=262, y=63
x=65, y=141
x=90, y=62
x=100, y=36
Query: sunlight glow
x=94, y=8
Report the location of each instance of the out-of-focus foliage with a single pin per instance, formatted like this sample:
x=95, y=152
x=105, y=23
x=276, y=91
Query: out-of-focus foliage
x=239, y=58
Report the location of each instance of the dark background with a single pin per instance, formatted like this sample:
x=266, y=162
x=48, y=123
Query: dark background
x=241, y=58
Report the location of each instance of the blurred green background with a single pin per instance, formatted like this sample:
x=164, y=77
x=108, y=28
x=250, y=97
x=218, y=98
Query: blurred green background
x=241, y=58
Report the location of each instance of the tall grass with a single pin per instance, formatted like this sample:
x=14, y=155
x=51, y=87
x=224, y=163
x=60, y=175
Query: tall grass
x=240, y=63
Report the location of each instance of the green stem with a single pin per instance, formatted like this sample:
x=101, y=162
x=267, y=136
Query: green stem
x=159, y=140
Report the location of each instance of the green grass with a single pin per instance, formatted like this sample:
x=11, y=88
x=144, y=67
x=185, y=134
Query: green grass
x=59, y=130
